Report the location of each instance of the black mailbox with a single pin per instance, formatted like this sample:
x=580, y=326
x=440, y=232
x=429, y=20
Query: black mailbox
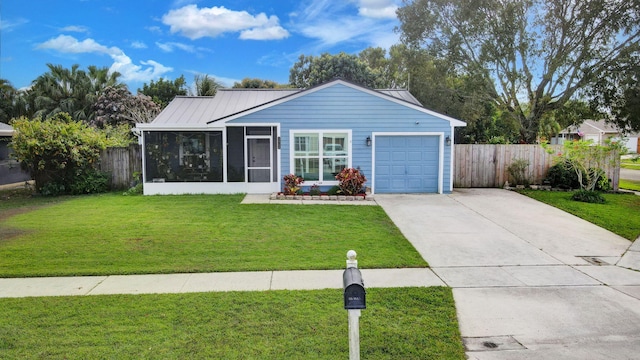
x=354, y=294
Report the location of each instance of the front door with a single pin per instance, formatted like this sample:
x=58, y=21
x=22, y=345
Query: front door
x=259, y=158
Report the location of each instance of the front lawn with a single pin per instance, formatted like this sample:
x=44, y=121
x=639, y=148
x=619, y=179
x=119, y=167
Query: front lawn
x=115, y=234
x=620, y=214
x=399, y=323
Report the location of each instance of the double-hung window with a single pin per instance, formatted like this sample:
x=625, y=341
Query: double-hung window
x=319, y=155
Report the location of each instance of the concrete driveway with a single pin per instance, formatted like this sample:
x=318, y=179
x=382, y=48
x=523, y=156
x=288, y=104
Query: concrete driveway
x=530, y=281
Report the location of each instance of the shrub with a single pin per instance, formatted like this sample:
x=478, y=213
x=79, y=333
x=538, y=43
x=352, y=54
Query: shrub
x=314, y=190
x=59, y=153
x=588, y=196
x=603, y=183
x=350, y=181
x=334, y=190
x=292, y=184
x=518, y=171
x=90, y=181
x=562, y=176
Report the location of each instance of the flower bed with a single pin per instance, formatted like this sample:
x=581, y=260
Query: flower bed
x=321, y=197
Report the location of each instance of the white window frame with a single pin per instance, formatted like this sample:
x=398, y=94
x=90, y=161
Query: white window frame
x=320, y=133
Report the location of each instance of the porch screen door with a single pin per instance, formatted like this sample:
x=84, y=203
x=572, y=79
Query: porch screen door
x=259, y=159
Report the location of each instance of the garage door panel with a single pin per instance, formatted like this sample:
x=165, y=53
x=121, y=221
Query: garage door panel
x=407, y=164
x=414, y=170
x=398, y=170
x=415, y=156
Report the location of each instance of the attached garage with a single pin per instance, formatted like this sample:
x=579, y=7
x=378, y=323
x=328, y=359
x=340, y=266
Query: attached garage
x=407, y=163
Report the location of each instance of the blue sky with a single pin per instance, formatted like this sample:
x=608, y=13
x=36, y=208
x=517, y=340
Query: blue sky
x=149, y=39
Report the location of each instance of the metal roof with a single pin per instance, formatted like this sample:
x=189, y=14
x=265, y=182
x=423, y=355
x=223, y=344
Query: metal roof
x=401, y=94
x=197, y=111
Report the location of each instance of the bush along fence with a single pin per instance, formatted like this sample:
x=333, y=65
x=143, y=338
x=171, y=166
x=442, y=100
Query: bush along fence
x=122, y=164
x=486, y=166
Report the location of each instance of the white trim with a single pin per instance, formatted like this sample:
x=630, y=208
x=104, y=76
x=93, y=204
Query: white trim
x=175, y=127
x=252, y=125
x=451, y=158
x=440, y=155
x=179, y=188
x=292, y=133
x=454, y=122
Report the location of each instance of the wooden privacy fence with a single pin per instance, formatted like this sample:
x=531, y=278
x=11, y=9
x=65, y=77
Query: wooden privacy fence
x=121, y=164
x=478, y=166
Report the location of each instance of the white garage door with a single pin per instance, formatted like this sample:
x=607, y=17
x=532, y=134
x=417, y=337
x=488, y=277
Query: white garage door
x=406, y=164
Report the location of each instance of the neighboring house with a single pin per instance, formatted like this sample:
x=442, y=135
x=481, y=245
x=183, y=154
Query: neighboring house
x=10, y=171
x=598, y=131
x=246, y=140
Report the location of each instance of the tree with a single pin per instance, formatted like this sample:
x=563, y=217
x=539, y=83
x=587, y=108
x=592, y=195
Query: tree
x=163, y=91
x=538, y=54
x=618, y=92
x=588, y=161
x=310, y=70
x=255, y=83
x=118, y=106
x=73, y=91
x=60, y=154
x=8, y=101
x=206, y=86
x=440, y=87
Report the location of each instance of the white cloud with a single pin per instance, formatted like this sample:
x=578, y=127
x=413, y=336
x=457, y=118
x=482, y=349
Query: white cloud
x=195, y=23
x=377, y=8
x=75, y=28
x=334, y=23
x=154, y=29
x=171, y=46
x=145, y=72
x=274, y=32
x=138, y=45
x=9, y=25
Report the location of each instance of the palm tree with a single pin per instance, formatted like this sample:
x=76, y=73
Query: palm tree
x=72, y=91
x=206, y=86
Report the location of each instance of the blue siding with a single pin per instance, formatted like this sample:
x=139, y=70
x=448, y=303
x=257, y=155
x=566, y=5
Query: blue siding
x=342, y=107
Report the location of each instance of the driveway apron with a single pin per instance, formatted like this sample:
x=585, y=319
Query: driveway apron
x=530, y=281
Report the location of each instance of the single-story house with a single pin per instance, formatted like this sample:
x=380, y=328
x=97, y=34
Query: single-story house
x=247, y=140
x=598, y=131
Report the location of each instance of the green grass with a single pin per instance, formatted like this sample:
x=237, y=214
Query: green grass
x=620, y=214
x=629, y=185
x=630, y=164
x=23, y=200
x=399, y=323
x=114, y=234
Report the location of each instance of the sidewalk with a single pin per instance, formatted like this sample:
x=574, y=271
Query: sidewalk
x=198, y=282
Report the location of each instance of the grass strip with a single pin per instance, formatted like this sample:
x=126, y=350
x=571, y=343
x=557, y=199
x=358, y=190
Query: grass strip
x=399, y=323
x=630, y=164
x=629, y=185
x=114, y=234
x=620, y=214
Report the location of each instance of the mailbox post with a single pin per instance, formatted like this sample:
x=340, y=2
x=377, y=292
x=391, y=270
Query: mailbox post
x=354, y=301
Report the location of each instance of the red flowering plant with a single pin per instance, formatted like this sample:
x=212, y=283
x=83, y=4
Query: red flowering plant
x=292, y=184
x=351, y=181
